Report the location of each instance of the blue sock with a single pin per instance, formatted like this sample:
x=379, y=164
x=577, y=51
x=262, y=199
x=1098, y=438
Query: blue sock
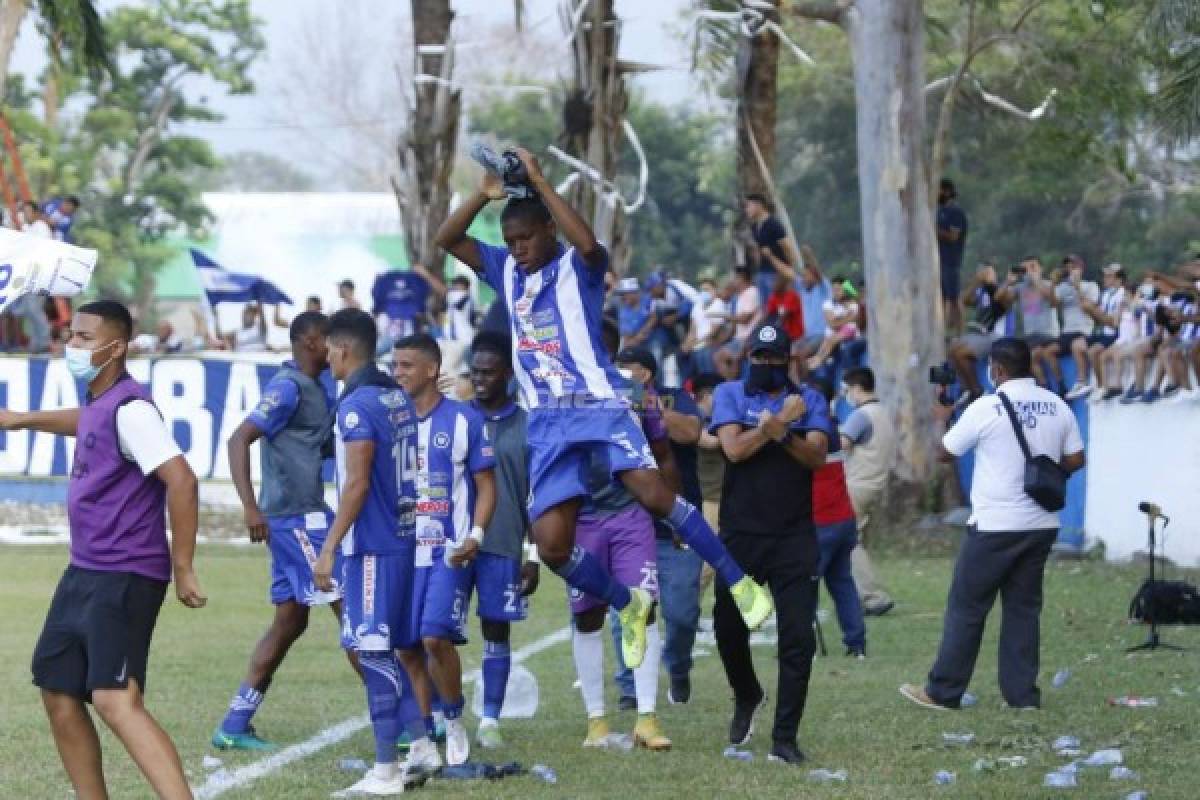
x=409, y=712
x=583, y=572
x=241, y=709
x=497, y=661
x=381, y=674
x=691, y=526
x=454, y=710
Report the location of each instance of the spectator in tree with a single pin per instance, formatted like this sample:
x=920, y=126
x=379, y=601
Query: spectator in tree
x=982, y=296
x=1107, y=315
x=776, y=251
x=60, y=215
x=841, y=321
x=868, y=438
x=1035, y=311
x=1070, y=293
x=706, y=328
x=815, y=290
x=952, y=241
x=745, y=314
x=346, y=298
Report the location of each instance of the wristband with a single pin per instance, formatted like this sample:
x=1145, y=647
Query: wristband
x=531, y=554
x=477, y=534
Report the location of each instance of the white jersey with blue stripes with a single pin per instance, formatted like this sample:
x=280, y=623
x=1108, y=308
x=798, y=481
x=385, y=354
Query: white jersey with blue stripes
x=556, y=318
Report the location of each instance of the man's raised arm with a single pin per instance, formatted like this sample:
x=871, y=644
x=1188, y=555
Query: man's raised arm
x=574, y=228
x=452, y=235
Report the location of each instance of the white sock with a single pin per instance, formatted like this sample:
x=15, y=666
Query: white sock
x=489, y=722
x=645, y=677
x=385, y=772
x=588, y=649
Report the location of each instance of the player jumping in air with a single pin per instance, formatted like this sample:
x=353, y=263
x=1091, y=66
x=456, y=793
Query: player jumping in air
x=575, y=396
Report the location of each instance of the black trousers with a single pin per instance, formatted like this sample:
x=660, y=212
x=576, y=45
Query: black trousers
x=1013, y=564
x=787, y=565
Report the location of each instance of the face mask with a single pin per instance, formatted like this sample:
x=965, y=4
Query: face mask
x=766, y=378
x=707, y=297
x=79, y=362
x=627, y=374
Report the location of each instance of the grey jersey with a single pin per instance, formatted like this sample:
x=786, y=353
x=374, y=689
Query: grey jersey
x=506, y=534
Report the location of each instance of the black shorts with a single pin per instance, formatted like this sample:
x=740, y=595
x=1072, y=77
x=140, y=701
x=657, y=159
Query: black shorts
x=97, y=632
x=1066, y=340
x=1102, y=339
x=1039, y=339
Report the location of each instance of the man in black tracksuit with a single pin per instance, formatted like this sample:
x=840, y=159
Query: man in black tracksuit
x=773, y=434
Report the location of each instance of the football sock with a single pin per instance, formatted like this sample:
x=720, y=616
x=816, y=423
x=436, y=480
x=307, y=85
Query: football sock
x=241, y=709
x=382, y=678
x=497, y=662
x=583, y=572
x=695, y=532
x=645, y=677
x=588, y=649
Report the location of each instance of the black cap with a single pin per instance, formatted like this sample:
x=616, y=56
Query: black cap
x=640, y=356
x=770, y=339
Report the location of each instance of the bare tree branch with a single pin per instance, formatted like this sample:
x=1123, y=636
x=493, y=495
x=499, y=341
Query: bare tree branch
x=825, y=12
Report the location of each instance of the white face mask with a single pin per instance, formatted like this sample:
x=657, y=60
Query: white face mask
x=627, y=374
x=79, y=361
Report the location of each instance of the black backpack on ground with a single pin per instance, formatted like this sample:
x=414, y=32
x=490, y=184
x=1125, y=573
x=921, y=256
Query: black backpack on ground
x=1167, y=603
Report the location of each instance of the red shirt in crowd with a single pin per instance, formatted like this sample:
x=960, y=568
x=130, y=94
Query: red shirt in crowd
x=789, y=313
x=830, y=497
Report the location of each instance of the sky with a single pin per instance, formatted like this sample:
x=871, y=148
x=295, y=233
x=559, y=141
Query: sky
x=284, y=119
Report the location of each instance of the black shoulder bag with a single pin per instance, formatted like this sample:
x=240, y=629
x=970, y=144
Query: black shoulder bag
x=1045, y=480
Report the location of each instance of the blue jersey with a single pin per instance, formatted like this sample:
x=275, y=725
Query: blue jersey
x=401, y=297
x=555, y=315
x=382, y=415
x=452, y=445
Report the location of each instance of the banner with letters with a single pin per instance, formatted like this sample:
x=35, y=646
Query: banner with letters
x=203, y=398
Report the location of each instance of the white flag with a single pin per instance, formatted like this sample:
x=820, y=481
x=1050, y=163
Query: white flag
x=33, y=265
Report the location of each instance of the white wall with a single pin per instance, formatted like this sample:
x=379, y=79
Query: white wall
x=1137, y=453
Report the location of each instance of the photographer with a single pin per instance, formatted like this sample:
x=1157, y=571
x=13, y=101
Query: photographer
x=1010, y=534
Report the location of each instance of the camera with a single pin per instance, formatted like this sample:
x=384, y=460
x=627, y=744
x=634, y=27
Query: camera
x=942, y=375
x=508, y=167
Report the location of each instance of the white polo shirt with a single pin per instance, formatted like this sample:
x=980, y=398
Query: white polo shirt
x=998, y=499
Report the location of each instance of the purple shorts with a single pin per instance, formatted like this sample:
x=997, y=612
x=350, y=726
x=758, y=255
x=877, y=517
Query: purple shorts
x=624, y=545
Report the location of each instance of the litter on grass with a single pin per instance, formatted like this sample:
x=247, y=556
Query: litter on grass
x=1119, y=773
x=1060, y=780
x=1012, y=762
x=958, y=738
x=1133, y=701
x=944, y=777
x=211, y=762
x=352, y=765
x=1066, y=743
x=1060, y=678
x=968, y=700
x=734, y=754
x=828, y=776
x=1104, y=758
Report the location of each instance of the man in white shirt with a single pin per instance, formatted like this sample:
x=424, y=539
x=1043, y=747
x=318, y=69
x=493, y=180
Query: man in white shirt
x=744, y=315
x=1010, y=534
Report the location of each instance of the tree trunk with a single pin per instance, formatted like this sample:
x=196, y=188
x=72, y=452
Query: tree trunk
x=900, y=259
x=592, y=118
x=428, y=145
x=758, y=70
x=12, y=14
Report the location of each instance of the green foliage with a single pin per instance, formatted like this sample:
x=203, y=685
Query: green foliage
x=139, y=178
x=75, y=26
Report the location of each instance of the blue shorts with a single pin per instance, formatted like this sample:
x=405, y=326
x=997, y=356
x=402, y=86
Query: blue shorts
x=295, y=543
x=439, y=599
x=378, y=611
x=561, y=441
x=497, y=581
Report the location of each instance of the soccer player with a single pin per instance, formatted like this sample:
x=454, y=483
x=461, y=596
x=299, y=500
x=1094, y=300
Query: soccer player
x=292, y=422
x=497, y=575
x=554, y=296
x=456, y=495
x=619, y=534
x=376, y=470
x=95, y=645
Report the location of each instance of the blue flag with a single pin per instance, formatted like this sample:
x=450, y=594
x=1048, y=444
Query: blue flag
x=223, y=286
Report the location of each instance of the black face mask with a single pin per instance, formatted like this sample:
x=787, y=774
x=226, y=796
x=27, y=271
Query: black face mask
x=766, y=378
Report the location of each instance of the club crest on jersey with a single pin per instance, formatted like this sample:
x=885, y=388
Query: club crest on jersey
x=441, y=439
x=392, y=400
x=351, y=419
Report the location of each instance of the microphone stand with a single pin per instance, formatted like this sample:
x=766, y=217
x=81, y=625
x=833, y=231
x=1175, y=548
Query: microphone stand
x=1153, y=642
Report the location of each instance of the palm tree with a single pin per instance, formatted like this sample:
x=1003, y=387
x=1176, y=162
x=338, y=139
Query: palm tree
x=68, y=25
x=1175, y=25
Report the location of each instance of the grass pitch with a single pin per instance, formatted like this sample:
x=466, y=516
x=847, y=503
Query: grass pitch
x=855, y=719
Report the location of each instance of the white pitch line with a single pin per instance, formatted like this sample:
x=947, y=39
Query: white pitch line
x=222, y=781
